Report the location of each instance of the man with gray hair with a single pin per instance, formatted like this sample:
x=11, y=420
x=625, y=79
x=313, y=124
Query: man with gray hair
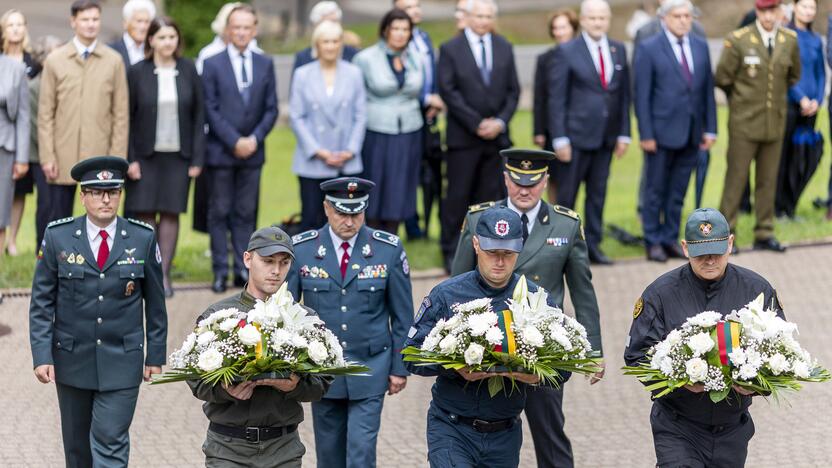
x=220, y=41
x=323, y=11
x=137, y=15
x=674, y=103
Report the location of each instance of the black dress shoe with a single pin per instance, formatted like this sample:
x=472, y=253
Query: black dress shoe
x=218, y=286
x=674, y=251
x=597, y=257
x=655, y=253
x=769, y=244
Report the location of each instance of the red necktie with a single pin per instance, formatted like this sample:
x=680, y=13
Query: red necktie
x=345, y=259
x=603, y=68
x=103, y=250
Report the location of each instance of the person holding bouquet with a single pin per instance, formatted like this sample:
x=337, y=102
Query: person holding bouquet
x=689, y=429
x=465, y=423
x=254, y=423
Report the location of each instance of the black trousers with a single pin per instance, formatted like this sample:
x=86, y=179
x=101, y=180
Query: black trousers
x=232, y=209
x=43, y=210
x=312, y=214
x=59, y=202
x=785, y=200
x=682, y=443
x=544, y=411
x=474, y=175
x=593, y=168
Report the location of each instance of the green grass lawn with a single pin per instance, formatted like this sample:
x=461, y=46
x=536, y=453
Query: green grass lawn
x=279, y=197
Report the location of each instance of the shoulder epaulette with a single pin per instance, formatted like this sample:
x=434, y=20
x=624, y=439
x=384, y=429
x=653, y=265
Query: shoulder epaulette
x=58, y=222
x=304, y=236
x=741, y=31
x=788, y=32
x=481, y=206
x=386, y=237
x=140, y=223
x=566, y=212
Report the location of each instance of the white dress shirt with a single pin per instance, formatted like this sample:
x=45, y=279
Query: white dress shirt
x=81, y=47
x=237, y=65
x=94, y=235
x=677, y=51
x=476, y=48
x=134, y=52
x=531, y=214
x=337, y=241
x=217, y=46
x=767, y=36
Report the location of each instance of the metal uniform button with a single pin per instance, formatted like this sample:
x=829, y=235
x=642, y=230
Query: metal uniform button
x=372, y=288
x=343, y=344
x=98, y=342
x=343, y=308
x=70, y=274
x=343, y=292
x=315, y=289
x=99, y=320
x=344, y=326
x=100, y=298
x=132, y=275
x=101, y=276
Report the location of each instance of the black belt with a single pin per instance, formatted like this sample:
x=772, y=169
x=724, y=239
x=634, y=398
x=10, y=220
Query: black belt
x=481, y=425
x=252, y=434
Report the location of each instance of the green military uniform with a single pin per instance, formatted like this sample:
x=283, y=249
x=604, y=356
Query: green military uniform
x=757, y=85
x=260, y=431
x=554, y=247
x=90, y=314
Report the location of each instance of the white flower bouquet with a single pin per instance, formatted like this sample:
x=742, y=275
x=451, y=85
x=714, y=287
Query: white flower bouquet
x=751, y=348
x=275, y=338
x=529, y=337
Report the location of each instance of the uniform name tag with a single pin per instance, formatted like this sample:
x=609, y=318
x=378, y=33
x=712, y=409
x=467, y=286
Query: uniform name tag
x=751, y=59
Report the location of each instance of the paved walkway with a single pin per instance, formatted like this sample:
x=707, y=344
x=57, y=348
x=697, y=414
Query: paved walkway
x=608, y=422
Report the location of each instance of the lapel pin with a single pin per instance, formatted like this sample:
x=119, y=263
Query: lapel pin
x=71, y=259
x=355, y=267
x=79, y=259
x=78, y=232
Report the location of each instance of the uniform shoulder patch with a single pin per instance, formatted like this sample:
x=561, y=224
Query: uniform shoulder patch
x=566, y=212
x=422, y=308
x=58, y=222
x=386, y=237
x=481, y=206
x=140, y=223
x=304, y=236
x=638, y=308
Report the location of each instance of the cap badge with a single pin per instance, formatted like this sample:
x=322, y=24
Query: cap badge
x=501, y=228
x=279, y=237
x=705, y=229
x=526, y=164
x=104, y=175
x=352, y=187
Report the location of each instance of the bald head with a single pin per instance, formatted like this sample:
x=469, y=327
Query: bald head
x=595, y=18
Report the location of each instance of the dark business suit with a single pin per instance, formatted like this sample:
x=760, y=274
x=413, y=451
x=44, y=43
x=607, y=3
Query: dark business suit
x=592, y=118
x=473, y=165
x=234, y=182
x=676, y=113
x=119, y=46
x=540, y=103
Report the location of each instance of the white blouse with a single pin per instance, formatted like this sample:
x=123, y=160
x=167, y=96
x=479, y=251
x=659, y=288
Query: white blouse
x=167, y=114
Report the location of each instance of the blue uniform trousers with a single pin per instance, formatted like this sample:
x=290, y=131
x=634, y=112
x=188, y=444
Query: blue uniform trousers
x=593, y=168
x=346, y=431
x=232, y=208
x=95, y=426
x=460, y=446
x=681, y=443
x=544, y=411
x=668, y=174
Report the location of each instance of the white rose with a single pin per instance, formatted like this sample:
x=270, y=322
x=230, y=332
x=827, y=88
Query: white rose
x=473, y=355
x=801, y=369
x=206, y=338
x=697, y=369
x=494, y=336
x=209, y=360
x=228, y=324
x=448, y=344
x=778, y=364
x=674, y=338
x=189, y=343
x=249, y=335
x=532, y=336
x=562, y=340
x=700, y=343
x=299, y=341
x=317, y=352
x=747, y=372
x=430, y=343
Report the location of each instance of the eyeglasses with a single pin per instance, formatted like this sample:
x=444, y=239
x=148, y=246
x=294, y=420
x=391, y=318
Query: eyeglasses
x=99, y=194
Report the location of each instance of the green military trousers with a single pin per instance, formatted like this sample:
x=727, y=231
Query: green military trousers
x=766, y=154
x=229, y=452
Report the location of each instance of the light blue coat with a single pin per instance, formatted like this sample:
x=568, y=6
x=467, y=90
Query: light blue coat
x=334, y=123
x=391, y=110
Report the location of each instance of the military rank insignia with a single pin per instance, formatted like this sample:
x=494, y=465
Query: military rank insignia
x=313, y=272
x=557, y=241
x=321, y=251
x=638, y=308
x=373, y=271
x=366, y=250
x=405, y=264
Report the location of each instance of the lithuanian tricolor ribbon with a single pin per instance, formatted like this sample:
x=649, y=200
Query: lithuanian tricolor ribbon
x=509, y=345
x=727, y=338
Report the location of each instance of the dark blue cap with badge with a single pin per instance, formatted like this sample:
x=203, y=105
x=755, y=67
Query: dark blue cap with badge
x=707, y=233
x=527, y=167
x=100, y=172
x=348, y=195
x=499, y=228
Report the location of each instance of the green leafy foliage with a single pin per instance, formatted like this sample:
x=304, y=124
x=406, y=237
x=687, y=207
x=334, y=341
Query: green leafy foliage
x=194, y=19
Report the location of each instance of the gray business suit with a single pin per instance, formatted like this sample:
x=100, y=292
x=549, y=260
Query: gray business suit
x=14, y=129
x=320, y=121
